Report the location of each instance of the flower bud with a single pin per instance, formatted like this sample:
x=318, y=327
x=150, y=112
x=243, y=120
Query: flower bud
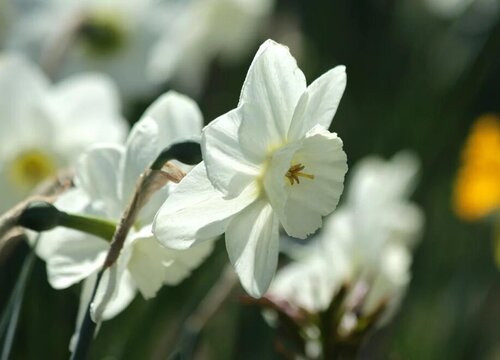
x=39, y=216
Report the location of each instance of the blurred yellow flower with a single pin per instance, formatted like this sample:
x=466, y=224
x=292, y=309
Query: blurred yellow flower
x=477, y=187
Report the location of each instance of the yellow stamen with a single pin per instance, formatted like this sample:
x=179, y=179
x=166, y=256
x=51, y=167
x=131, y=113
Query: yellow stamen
x=295, y=172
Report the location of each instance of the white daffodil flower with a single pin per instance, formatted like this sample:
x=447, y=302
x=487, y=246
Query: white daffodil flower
x=268, y=162
x=366, y=244
x=105, y=181
x=111, y=36
x=201, y=33
x=140, y=43
x=377, y=212
x=44, y=127
x=311, y=281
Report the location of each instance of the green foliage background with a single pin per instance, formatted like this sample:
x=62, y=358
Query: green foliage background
x=415, y=81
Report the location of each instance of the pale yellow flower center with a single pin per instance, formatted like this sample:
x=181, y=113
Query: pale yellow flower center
x=30, y=168
x=295, y=173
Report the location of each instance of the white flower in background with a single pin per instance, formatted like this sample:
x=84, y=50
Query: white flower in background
x=207, y=29
x=268, y=162
x=111, y=36
x=105, y=181
x=140, y=43
x=44, y=127
x=312, y=279
x=455, y=8
x=366, y=244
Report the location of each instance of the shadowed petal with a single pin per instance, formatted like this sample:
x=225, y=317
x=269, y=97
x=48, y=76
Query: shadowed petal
x=196, y=211
x=227, y=167
x=252, y=244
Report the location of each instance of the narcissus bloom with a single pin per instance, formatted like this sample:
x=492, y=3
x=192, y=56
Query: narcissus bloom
x=105, y=180
x=268, y=162
x=139, y=43
x=477, y=188
x=44, y=127
x=365, y=245
x=200, y=34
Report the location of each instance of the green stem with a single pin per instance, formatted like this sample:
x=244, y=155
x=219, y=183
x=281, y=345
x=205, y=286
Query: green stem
x=496, y=240
x=13, y=310
x=90, y=225
x=87, y=329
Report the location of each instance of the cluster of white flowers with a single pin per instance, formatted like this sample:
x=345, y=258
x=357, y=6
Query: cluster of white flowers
x=104, y=183
x=139, y=43
x=271, y=164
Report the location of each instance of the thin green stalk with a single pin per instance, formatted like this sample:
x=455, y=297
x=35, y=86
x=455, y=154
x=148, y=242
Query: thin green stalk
x=42, y=216
x=13, y=310
x=90, y=225
x=496, y=240
x=87, y=329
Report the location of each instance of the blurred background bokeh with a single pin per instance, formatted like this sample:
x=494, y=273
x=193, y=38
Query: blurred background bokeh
x=419, y=73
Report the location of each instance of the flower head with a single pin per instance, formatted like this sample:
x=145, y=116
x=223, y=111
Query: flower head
x=139, y=43
x=111, y=36
x=44, y=127
x=105, y=181
x=200, y=33
x=268, y=162
x=365, y=245
x=477, y=187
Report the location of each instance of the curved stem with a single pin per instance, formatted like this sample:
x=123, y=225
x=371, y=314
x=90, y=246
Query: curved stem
x=13, y=310
x=90, y=225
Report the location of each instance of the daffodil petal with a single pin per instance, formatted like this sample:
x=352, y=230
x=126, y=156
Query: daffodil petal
x=269, y=95
x=171, y=118
x=151, y=265
x=228, y=168
x=115, y=292
x=196, y=211
x=309, y=283
x=73, y=201
x=22, y=86
x=81, y=104
x=319, y=103
x=140, y=150
x=322, y=155
x=390, y=282
x=252, y=244
x=383, y=181
x=71, y=255
x=98, y=175
x=184, y=261
x=178, y=117
x=77, y=256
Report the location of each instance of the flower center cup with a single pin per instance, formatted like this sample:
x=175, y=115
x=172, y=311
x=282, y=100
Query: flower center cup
x=295, y=173
x=30, y=168
x=102, y=33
